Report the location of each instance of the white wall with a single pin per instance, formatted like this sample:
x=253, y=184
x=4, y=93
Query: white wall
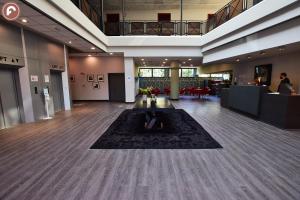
x=195, y=13
x=130, y=84
x=81, y=89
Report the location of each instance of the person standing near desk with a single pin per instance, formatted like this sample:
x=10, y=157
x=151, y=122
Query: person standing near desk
x=285, y=86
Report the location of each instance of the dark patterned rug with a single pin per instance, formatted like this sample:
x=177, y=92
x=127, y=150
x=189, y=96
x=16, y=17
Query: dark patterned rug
x=178, y=131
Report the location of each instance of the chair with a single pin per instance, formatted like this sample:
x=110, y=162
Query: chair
x=182, y=91
x=155, y=91
x=167, y=91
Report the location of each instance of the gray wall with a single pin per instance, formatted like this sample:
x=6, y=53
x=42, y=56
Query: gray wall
x=42, y=55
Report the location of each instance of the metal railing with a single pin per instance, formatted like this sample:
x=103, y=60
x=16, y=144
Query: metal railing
x=155, y=28
x=89, y=11
x=186, y=27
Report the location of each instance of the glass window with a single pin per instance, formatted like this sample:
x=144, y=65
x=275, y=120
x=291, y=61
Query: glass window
x=158, y=72
x=187, y=72
x=204, y=75
x=216, y=75
x=226, y=76
x=145, y=72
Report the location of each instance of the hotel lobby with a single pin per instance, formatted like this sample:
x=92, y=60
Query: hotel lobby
x=158, y=100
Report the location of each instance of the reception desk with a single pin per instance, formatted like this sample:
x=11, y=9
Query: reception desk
x=246, y=98
x=281, y=110
x=273, y=108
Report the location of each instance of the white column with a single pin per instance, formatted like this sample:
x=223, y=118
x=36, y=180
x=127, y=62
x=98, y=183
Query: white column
x=25, y=85
x=129, y=80
x=65, y=81
x=174, y=81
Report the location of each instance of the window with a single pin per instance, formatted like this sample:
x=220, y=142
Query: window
x=158, y=72
x=145, y=72
x=204, y=75
x=187, y=72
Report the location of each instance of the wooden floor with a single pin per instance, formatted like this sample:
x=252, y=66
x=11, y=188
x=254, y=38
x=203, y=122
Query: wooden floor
x=51, y=160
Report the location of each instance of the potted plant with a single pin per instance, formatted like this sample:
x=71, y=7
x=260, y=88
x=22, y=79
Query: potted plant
x=144, y=93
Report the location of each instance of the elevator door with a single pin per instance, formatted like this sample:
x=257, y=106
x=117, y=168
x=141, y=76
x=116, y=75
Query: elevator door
x=9, y=106
x=56, y=90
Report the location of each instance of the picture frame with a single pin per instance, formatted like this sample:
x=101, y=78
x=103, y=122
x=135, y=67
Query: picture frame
x=90, y=77
x=100, y=77
x=72, y=78
x=96, y=85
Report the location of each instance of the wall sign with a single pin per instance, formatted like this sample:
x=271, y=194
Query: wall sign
x=11, y=60
x=46, y=78
x=58, y=67
x=34, y=78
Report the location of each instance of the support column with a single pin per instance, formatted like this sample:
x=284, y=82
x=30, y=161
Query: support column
x=129, y=80
x=65, y=81
x=25, y=85
x=174, y=82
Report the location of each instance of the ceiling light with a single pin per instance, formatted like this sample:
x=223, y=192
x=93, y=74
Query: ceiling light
x=93, y=48
x=281, y=48
x=237, y=60
x=70, y=42
x=190, y=59
x=249, y=57
x=89, y=55
x=24, y=20
x=191, y=65
x=166, y=59
x=164, y=62
x=111, y=53
x=183, y=62
x=142, y=59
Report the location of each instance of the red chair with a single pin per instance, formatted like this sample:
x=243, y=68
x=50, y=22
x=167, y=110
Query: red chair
x=155, y=91
x=191, y=91
x=167, y=91
x=182, y=91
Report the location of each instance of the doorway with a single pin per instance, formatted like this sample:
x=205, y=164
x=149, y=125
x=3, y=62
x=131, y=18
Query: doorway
x=9, y=100
x=164, y=17
x=116, y=84
x=56, y=90
x=112, y=25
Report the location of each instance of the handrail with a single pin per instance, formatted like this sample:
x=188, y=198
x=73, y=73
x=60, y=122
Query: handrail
x=152, y=27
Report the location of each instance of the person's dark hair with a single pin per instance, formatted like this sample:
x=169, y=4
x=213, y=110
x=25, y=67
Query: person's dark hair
x=283, y=74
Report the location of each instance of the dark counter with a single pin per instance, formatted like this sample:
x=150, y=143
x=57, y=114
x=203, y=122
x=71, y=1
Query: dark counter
x=246, y=98
x=281, y=110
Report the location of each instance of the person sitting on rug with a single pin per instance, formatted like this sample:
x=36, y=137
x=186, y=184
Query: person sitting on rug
x=152, y=121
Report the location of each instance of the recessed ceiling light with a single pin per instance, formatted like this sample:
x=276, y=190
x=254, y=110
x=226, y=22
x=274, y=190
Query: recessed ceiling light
x=249, y=57
x=142, y=59
x=70, y=42
x=183, y=62
x=281, y=48
x=24, y=20
x=237, y=60
x=190, y=59
x=166, y=59
x=93, y=48
x=164, y=62
x=89, y=55
x=191, y=65
x=111, y=53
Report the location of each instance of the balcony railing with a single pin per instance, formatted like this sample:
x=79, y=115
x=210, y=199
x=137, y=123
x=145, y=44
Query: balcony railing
x=155, y=28
x=89, y=11
x=229, y=11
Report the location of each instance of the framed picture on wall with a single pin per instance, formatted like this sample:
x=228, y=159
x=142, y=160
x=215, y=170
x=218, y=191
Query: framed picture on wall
x=100, y=78
x=90, y=77
x=96, y=85
x=72, y=78
x=263, y=74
